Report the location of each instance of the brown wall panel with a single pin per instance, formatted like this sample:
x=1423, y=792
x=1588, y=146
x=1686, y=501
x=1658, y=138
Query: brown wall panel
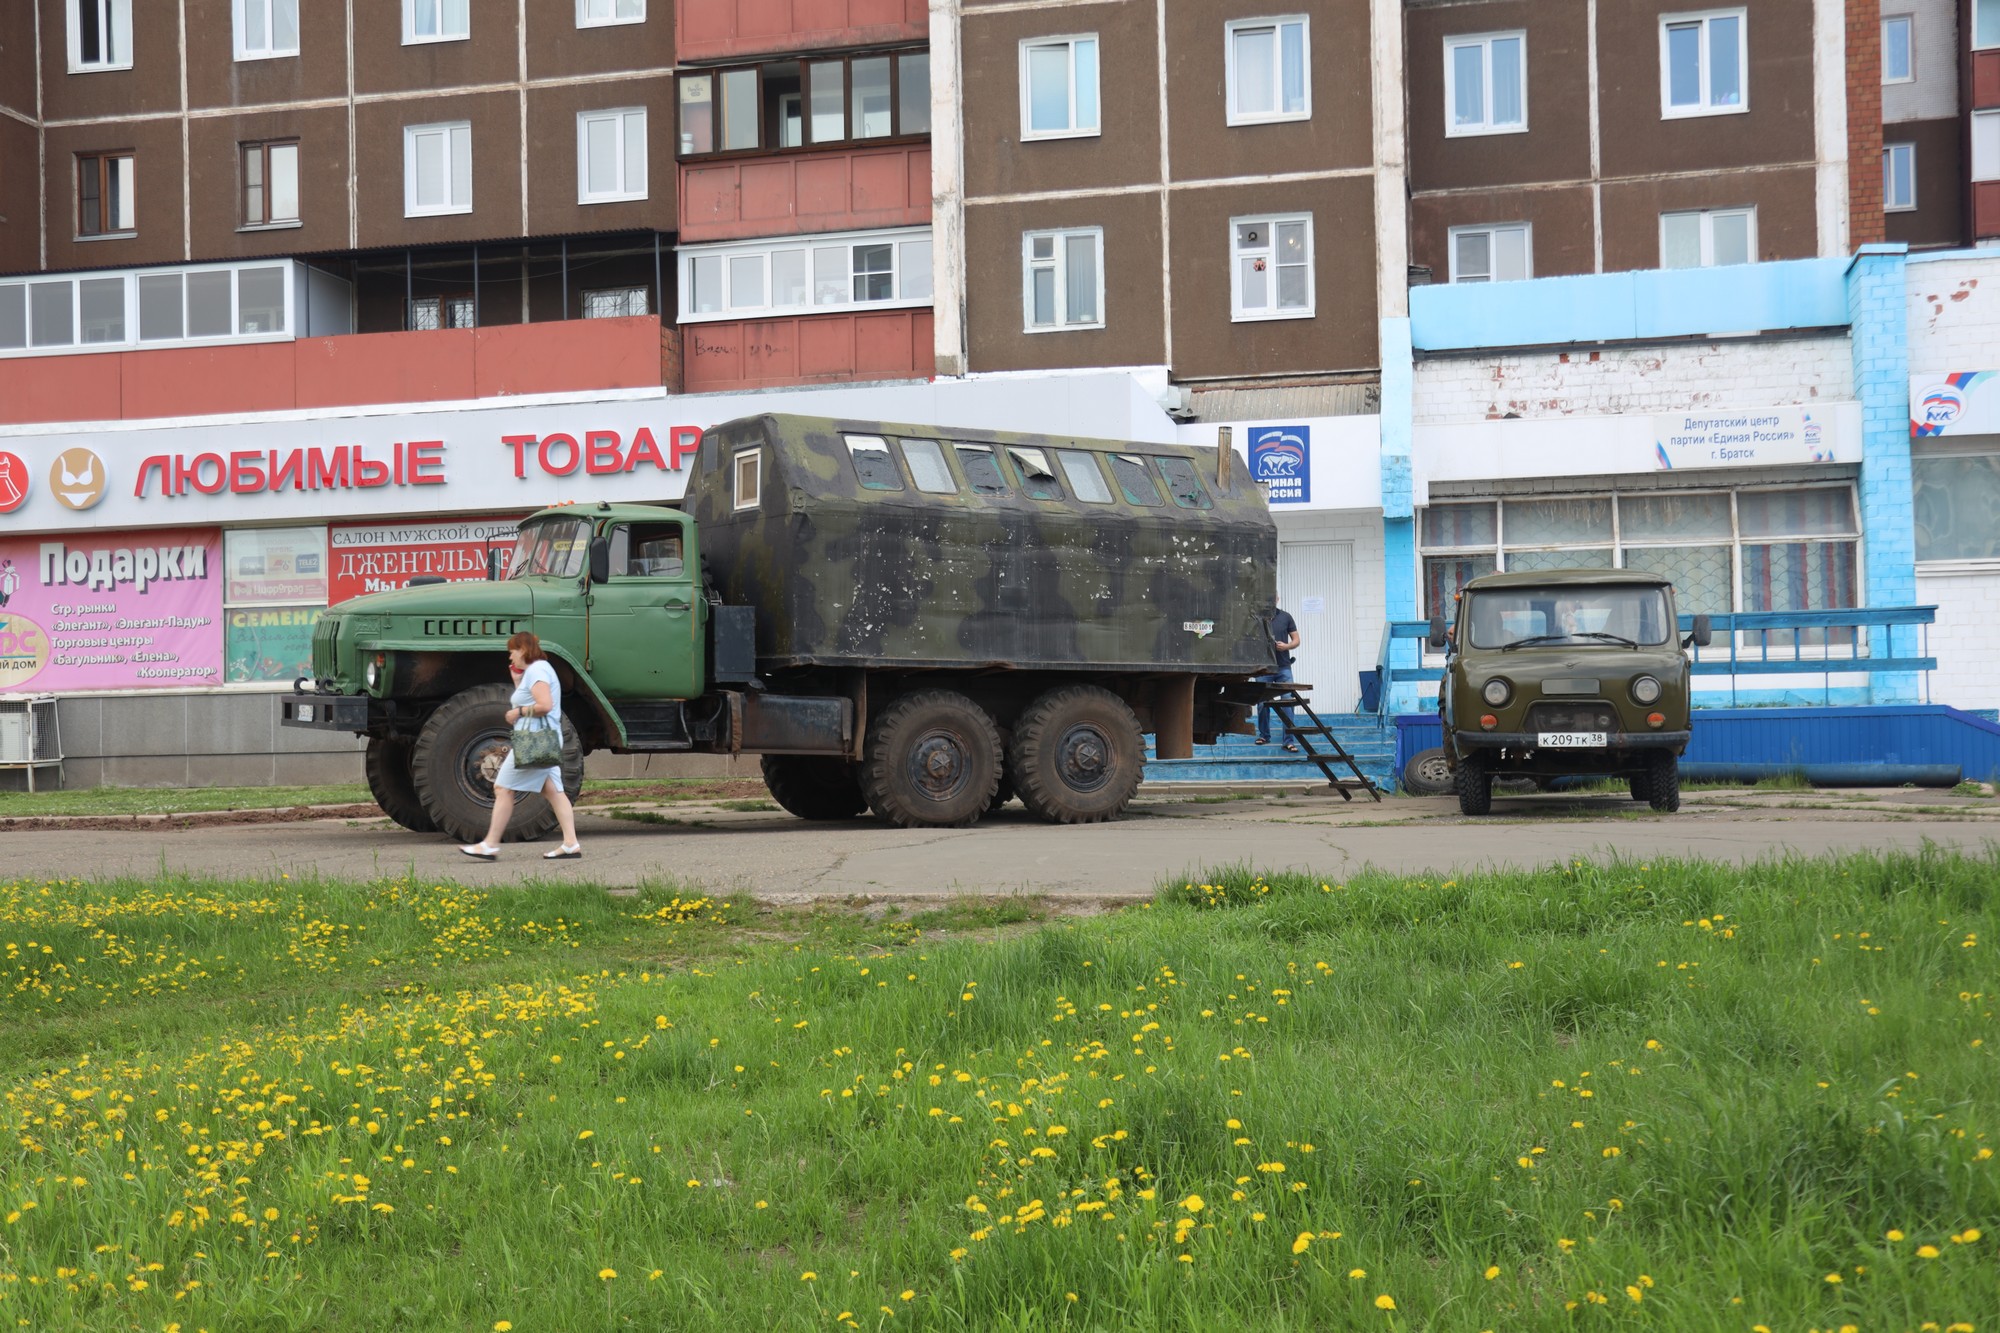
x=1556, y=144
x=1202, y=143
x=152, y=84
x=1128, y=150
x=496, y=169
x=1562, y=237
x=552, y=157
x=1133, y=333
x=1939, y=219
x=216, y=182
x=1787, y=224
x=382, y=64
x=20, y=198
x=157, y=184
x=17, y=58
x=1777, y=127
x=216, y=78
x=1208, y=344
x=558, y=48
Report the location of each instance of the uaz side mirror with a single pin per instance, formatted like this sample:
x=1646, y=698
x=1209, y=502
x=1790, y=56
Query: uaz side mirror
x=600, y=560
x=1702, y=633
x=1437, y=639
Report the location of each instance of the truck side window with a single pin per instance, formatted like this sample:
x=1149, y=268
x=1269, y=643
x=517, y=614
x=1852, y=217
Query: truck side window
x=655, y=552
x=981, y=469
x=1183, y=484
x=928, y=468
x=874, y=465
x=1086, y=479
x=749, y=477
x=1036, y=478
x=1135, y=480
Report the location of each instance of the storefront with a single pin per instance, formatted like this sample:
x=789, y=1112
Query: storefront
x=1955, y=484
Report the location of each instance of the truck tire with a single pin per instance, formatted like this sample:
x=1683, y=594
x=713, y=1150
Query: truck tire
x=1078, y=755
x=814, y=787
x=1641, y=786
x=1475, y=787
x=933, y=761
x=1427, y=774
x=1663, y=783
x=460, y=749
x=387, y=766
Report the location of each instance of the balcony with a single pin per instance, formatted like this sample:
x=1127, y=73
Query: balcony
x=725, y=29
x=809, y=349
x=810, y=192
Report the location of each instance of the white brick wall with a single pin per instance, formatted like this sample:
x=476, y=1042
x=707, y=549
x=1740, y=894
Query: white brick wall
x=1668, y=378
x=1966, y=638
x=1954, y=315
x=1934, y=95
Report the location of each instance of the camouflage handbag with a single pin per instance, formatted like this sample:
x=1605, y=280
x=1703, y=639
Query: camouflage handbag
x=536, y=746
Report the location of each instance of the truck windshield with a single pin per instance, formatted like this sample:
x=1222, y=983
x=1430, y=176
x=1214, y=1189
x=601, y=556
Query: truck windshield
x=1522, y=617
x=555, y=546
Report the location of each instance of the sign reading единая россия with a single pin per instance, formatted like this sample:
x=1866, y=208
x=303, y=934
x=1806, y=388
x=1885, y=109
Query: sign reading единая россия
x=1742, y=437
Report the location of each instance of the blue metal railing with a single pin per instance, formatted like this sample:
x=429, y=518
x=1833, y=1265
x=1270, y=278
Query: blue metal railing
x=1821, y=643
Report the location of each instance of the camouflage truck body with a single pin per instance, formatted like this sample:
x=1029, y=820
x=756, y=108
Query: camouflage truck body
x=917, y=621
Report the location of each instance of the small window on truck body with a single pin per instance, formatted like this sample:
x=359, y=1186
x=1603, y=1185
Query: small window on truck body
x=874, y=465
x=981, y=469
x=1086, y=479
x=1037, y=479
x=1135, y=480
x=749, y=475
x=928, y=468
x=1183, y=484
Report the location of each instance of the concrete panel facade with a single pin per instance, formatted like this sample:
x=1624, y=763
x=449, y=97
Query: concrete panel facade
x=811, y=349
x=1939, y=217
x=1556, y=144
x=553, y=198
x=808, y=192
x=1561, y=222
x=215, y=195
x=1787, y=225
x=20, y=197
x=1134, y=331
x=496, y=168
x=157, y=185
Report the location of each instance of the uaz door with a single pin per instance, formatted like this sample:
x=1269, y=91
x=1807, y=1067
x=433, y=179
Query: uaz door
x=646, y=620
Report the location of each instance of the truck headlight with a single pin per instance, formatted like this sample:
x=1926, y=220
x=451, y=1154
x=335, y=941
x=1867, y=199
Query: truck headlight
x=1497, y=691
x=373, y=674
x=1646, y=689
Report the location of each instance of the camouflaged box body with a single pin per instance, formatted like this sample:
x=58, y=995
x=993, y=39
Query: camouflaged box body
x=846, y=576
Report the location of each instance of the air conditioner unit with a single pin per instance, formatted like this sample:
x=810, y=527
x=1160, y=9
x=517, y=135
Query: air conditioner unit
x=30, y=736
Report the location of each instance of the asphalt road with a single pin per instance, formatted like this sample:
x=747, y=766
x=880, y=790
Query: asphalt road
x=772, y=855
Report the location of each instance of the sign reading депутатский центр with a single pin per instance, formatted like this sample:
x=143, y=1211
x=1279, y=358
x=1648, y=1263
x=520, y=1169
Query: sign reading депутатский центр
x=1749, y=437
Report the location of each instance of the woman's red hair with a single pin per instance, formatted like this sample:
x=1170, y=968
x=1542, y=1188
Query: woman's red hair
x=528, y=646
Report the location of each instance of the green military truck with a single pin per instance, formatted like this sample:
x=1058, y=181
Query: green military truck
x=917, y=621
x=1564, y=673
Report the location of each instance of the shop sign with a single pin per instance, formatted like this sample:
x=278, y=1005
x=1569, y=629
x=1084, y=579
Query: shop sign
x=1281, y=460
x=1965, y=402
x=121, y=612
x=269, y=643
x=1748, y=437
x=380, y=557
x=276, y=565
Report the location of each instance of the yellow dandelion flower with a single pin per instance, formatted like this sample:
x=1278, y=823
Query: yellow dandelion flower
x=1927, y=1251
x=1385, y=1302
x=809, y=1276
x=606, y=1274
x=1357, y=1273
x=503, y=1326
x=1303, y=1243
x=909, y=1295
x=1833, y=1279
x=1492, y=1272
x=1193, y=1203
x=1895, y=1234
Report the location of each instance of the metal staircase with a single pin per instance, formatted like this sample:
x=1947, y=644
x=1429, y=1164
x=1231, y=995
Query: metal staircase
x=1321, y=745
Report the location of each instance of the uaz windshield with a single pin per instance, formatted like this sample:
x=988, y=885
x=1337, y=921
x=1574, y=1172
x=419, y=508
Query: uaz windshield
x=1520, y=617
x=555, y=546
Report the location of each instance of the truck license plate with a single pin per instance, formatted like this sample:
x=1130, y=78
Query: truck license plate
x=1572, y=740
x=304, y=713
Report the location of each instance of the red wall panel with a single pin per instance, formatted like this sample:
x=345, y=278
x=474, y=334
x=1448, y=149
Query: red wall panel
x=203, y=381
x=715, y=29
x=811, y=192
x=429, y=367
x=1985, y=208
x=1985, y=79
x=59, y=388
x=808, y=349
x=576, y=354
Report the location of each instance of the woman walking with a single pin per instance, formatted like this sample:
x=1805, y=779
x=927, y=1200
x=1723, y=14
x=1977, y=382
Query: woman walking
x=537, y=694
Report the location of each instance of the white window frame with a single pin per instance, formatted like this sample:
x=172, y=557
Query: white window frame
x=1074, y=131
x=1527, y=230
x=754, y=457
x=411, y=37
x=1059, y=264
x=583, y=19
x=1889, y=151
x=1990, y=120
x=115, y=17
x=1909, y=22
x=1483, y=40
x=269, y=51
x=447, y=128
x=1237, y=313
x=1278, y=23
x=626, y=190
x=1708, y=216
x=1704, y=108
x=132, y=341
x=763, y=250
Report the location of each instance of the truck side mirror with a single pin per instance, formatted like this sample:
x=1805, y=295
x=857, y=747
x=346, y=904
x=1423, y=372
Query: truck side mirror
x=1437, y=639
x=600, y=560
x=1703, y=632
x=493, y=554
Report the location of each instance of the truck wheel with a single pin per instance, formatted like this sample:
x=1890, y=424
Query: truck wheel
x=814, y=787
x=1475, y=787
x=1641, y=788
x=1663, y=783
x=387, y=766
x=1427, y=774
x=933, y=761
x=1078, y=755
x=457, y=754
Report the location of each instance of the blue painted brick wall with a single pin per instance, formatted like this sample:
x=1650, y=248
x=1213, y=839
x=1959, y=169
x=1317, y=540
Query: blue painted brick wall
x=1877, y=304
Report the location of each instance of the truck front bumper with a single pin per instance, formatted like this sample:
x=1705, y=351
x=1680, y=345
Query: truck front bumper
x=1529, y=740
x=324, y=712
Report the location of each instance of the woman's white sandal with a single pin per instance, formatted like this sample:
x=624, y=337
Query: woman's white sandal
x=479, y=851
x=573, y=852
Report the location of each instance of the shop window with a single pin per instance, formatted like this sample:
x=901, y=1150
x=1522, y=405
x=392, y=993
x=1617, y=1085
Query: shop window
x=604, y=13
x=1062, y=280
x=787, y=104
x=437, y=169
x=270, y=184
x=436, y=21
x=610, y=155
x=1271, y=270
x=800, y=275
x=1059, y=87
x=100, y=35
x=274, y=589
x=1708, y=238
x=266, y=29
x=1492, y=253
x=1268, y=75
x=1486, y=84
x=105, y=202
x=1899, y=62
x=1957, y=505
x=1704, y=64
x=1899, y=177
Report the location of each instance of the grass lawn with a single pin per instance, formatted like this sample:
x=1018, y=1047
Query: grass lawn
x=1656, y=1096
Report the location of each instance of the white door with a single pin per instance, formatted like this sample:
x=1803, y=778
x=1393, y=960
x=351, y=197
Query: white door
x=1316, y=584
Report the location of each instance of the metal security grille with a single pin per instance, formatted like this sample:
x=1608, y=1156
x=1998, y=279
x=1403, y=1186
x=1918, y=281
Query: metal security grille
x=1572, y=717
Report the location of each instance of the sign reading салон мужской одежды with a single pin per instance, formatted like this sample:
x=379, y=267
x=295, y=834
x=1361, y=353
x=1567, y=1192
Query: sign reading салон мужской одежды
x=1754, y=437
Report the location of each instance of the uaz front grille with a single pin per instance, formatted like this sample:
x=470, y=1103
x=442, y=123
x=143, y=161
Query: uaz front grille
x=1579, y=716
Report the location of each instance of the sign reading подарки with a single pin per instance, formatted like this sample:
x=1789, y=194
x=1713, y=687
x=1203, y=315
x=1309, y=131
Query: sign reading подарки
x=1765, y=436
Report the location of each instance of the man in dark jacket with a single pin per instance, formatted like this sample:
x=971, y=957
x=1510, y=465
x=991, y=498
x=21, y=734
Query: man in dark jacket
x=1284, y=638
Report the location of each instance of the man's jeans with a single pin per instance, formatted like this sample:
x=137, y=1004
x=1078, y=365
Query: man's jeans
x=1264, y=710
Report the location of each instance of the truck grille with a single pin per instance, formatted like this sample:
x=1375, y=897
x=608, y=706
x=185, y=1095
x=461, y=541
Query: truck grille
x=1583, y=715
x=325, y=648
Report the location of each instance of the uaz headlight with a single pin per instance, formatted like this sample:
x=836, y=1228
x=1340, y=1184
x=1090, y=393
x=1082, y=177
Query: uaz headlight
x=1497, y=691
x=1646, y=689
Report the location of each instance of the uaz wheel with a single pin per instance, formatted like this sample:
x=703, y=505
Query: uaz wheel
x=1427, y=774
x=1475, y=787
x=814, y=786
x=387, y=765
x=1078, y=755
x=933, y=761
x=1663, y=782
x=457, y=755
